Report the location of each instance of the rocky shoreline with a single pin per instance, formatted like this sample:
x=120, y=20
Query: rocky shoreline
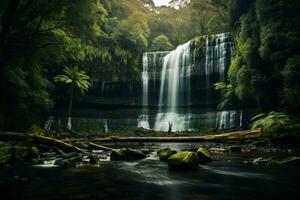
x=38, y=150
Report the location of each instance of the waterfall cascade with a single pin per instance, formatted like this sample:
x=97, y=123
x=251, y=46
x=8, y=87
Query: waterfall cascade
x=174, y=89
x=208, y=58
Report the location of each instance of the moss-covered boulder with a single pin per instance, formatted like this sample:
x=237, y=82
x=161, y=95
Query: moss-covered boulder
x=127, y=155
x=6, y=153
x=203, y=155
x=186, y=160
x=93, y=159
x=24, y=153
x=164, y=154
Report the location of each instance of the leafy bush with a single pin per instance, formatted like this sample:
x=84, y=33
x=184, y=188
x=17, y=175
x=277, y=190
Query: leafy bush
x=272, y=124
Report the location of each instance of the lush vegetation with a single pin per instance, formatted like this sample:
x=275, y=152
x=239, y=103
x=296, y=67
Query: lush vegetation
x=106, y=38
x=264, y=71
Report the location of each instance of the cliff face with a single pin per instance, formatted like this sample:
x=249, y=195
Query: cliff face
x=207, y=60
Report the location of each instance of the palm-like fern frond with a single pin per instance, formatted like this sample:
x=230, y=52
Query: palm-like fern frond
x=76, y=76
x=270, y=121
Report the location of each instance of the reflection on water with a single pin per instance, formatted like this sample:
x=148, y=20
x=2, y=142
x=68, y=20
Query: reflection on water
x=225, y=178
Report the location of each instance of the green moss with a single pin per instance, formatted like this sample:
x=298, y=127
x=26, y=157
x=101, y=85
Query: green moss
x=203, y=155
x=6, y=153
x=164, y=154
x=186, y=160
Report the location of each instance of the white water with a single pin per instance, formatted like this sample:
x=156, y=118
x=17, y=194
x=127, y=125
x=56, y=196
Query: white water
x=174, y=89
x=175, y=83
x=229, y=119
x=143, y=120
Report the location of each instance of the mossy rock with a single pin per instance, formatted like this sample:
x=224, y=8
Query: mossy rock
x=203, y=155
x=6, y=153
x=93, y=159
x=24, y=153
x=127, y=155
x=164, y=154
x=186, y=160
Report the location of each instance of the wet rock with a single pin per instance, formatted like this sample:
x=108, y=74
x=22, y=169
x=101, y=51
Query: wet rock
x=203, y=155
x=263, y=161
x=164, y=154
x=186, y=160
x=291, y=161
x=93, y=159
x=24, y=153
x=127, y=155
x=235, y=148
x=261, y=143
x=217, y=150
x=6, y=153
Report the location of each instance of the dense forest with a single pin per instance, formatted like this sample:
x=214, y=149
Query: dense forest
x=150, y=99
x=107, y=38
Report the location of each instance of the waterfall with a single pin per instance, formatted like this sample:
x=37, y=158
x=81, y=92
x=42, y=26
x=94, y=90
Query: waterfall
x=105, y=125
x=206, y=58
x=143, y=120
x=173, y=87
x=229, y=119
x=218, y=53
x=69, y=124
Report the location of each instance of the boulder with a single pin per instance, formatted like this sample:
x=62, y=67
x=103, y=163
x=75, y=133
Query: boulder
x=127, y=155
x=164, y=154
x=291, y=161
x=24, y=153
x=203, y=155
x=6, y=153
x=186, y=160
x=93, y=159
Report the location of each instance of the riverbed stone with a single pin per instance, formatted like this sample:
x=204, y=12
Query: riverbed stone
x=164, y=154
x=203, y=155
x=127, y=154
x=93, y=159
x=186, y=160
x=24, y=153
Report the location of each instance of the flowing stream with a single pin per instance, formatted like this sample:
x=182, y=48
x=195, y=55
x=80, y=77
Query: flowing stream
x=227, y=177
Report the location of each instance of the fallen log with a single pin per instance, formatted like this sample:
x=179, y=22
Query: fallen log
x=232, y=136
x=100, y=147
x=11, y=136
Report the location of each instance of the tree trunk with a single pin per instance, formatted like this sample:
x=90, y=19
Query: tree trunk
x=10, y=136
x=71, y=100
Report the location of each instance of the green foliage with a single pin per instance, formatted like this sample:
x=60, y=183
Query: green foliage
x=229, y=97
x=291, y=91
x=263, y=68
x=272, y=123
x=75, y=76
x=133, y=32
x=161, y=43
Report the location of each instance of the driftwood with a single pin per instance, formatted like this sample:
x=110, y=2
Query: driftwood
x=232, y=136
x=98, y=146
x=11, y=136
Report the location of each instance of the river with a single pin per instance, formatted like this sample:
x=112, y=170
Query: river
x=227, y=177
